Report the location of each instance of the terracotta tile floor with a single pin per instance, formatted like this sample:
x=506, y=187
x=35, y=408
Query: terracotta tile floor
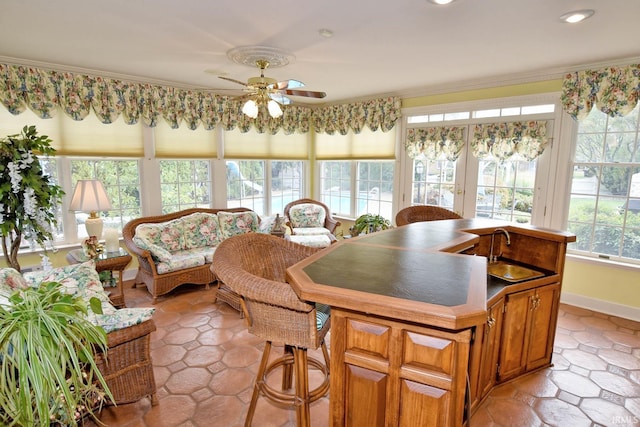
x=205, y=362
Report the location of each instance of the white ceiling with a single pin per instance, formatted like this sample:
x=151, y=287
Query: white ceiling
x=379, y=47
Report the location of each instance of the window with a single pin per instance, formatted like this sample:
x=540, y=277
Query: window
x=121, y=181
x=433, y=182
x=604, y=207
x=265, y=186
x=505, y=189
x=184, y=184
x=495, y=177
x=372, y=181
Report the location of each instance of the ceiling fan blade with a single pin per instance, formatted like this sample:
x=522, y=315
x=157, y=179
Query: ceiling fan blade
x=288, y=84
x=307, y=93
x=280, y=98
x=233, y=80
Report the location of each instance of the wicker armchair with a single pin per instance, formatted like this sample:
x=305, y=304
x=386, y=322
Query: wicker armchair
x=254, y=265
x=421, y=213
x=330, y=223
x=127, y=367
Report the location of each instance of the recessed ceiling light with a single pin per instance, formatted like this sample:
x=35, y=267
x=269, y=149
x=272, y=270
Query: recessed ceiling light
x=577, y=16
x=441, y=2
x=325, y=33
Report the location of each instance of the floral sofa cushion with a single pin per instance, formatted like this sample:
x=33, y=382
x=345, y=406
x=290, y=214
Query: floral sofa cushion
x=201, y=230
x=307, y=215
x=234, y=223
x=166, y=235
x=180, y=261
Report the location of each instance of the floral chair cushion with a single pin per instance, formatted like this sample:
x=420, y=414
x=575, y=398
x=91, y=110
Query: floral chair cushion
x=11, y=279
x=307, y=215
x=315, y=241
x=311, y=231
x=166, y=235
x=201, y=230
x=123, y=318
x=234, y=223
x=78, y=279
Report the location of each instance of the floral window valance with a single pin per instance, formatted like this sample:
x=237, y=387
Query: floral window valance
x=435, y=142
x=45, y=92
x=612, y=90
x=503, y=140
x=378, y=113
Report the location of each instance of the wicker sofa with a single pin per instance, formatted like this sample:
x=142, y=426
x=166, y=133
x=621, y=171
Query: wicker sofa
x=177, y=248
x=127, y=366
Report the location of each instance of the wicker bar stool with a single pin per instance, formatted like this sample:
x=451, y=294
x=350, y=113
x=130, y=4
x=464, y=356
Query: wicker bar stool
x=421, y=213
x=254, y=266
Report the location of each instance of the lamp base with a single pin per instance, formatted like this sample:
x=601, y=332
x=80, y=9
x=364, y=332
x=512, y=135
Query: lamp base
x=94, y=227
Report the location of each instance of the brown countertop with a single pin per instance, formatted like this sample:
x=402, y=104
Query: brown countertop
x=410, y=273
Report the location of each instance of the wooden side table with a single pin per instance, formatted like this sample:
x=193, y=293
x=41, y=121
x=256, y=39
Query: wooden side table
x=107, y=261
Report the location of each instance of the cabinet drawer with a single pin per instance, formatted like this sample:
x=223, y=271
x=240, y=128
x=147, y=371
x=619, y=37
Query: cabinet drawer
x=429, y=353
x=367, y=337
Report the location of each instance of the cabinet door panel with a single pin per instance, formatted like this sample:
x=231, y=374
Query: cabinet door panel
x=423, y=405
x=542, y=322
x=514, y=333
x=490, y=348
x=366, y=397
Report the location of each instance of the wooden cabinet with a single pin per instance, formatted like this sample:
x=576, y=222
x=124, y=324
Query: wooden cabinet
x=529, y=324
x=390, y=373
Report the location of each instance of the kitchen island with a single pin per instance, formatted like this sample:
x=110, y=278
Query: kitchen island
x=414, y=313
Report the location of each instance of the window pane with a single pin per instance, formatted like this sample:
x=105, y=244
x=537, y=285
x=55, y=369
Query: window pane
x=375, y=188
x=505, y=189
x=335, y=187
x=433, y=182
x=245, y=185
x=184, y=184
x=121, y=181
x=286, y=184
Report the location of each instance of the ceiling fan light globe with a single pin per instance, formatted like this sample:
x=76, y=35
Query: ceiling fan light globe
x=274, y=109
x=250, y=108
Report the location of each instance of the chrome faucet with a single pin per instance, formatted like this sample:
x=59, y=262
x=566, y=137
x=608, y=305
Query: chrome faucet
x=493, y=258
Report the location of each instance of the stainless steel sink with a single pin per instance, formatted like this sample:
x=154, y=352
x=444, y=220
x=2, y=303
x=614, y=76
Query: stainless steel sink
x=511, y=272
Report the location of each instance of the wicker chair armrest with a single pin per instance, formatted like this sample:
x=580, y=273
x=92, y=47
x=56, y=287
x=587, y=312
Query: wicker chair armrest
x=132, y=332
x=258, y=288
x=331, y=224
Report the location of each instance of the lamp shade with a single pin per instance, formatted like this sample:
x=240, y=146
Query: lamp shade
x=89, y=196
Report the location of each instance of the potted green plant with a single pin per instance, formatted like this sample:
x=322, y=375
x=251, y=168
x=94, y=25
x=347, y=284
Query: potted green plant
x=28, y=197
x=47, y=351
x=369, y=223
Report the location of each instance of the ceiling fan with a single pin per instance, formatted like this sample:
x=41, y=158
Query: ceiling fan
x=270, y=92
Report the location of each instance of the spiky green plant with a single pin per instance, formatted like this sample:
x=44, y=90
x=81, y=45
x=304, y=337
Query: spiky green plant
x=48, y=375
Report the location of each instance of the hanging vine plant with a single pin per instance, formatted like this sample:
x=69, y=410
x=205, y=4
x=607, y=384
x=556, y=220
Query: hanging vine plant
x=28, y=197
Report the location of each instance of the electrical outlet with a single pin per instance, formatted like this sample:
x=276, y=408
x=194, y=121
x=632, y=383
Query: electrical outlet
x=30, y=268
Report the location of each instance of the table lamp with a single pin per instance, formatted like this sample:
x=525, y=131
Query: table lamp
x=89, y=196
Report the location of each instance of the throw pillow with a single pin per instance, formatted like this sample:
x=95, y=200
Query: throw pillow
x=307, y=215
x=234, y=223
